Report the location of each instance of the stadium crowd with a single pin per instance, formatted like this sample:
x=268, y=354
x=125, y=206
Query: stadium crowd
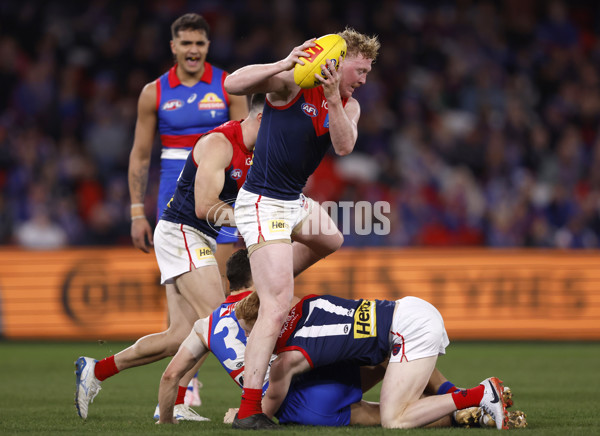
x=479, y=121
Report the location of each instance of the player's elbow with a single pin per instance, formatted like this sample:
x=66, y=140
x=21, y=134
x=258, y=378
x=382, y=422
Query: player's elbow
x=232, y=85
x=202, y=211
x=344, y=149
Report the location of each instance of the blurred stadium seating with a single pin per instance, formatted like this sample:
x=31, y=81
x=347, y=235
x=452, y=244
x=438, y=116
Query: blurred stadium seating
x=479, y=120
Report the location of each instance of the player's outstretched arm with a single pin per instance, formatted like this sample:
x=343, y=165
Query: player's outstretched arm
x=283, y=369
x=189, y=353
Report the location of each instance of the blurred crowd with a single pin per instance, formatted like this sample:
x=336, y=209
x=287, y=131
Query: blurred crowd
x=479, y=121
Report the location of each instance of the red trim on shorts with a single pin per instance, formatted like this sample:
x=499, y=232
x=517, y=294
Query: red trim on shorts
x=258, y=220
x=187, y=248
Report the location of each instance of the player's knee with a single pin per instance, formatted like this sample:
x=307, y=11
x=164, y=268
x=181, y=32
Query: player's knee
x=170, y=376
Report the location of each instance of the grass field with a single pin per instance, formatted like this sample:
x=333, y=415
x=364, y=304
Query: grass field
x=556, y=384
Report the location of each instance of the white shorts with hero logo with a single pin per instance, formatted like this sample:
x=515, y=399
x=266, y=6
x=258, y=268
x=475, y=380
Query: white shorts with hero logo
x=417, y=331
x=263, y=220
x=180, y=248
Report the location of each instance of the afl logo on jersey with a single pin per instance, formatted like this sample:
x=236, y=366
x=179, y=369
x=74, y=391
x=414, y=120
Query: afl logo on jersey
x=310, y=110
x=172, y=105
x=236, y=174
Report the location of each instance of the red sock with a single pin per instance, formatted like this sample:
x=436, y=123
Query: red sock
x=250, y=405
x=180, y=395
x=468, y=397
x=105, y=368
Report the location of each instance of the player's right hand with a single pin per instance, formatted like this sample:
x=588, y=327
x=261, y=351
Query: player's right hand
x=230, y=415
x=142, y=235
x=296, y=55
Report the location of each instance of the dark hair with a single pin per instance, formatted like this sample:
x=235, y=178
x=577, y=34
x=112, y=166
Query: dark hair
x=238, y=271
x=189, y=21
x=257, y=102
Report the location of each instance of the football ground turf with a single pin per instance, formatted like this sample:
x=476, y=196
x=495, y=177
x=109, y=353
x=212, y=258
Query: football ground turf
x=556, y=384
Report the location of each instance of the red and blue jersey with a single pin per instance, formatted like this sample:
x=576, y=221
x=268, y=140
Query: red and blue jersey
x=227, y=340
x=328, y=329
x=181, y=209
x=186, y=112
x=292, y=141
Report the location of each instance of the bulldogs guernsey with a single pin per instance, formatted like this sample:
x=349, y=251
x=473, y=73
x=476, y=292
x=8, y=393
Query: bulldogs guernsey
x=227, y=340
x=181, y=209
x=328, y=329
x=319, y=397
x=291, y=143
x=184, y=113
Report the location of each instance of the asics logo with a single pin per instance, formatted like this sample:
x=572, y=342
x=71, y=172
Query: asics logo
x=496, y=399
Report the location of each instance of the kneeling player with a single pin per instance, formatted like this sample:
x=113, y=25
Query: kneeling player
x=324, y=330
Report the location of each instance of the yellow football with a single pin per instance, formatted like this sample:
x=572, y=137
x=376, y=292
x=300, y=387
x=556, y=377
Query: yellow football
x=327, y=47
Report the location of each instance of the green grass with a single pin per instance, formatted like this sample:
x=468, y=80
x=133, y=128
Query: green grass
x=556, y=384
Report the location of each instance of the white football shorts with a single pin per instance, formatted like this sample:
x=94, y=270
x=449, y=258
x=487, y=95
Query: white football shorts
x=417, y=331
x=262, y=220
x=180, y=248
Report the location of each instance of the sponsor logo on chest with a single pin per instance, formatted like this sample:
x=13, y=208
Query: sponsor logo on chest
x=211, y=101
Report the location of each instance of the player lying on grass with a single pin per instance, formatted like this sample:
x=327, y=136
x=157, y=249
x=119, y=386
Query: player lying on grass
x=330, y=396
x=325, y=330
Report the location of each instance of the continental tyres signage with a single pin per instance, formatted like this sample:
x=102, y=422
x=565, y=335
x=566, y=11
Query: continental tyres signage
x=80, y=294
x=115, y=293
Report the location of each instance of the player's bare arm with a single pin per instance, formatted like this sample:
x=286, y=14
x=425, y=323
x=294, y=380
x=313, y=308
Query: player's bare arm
x=139, y=162
x=213, y=154
x=343, y=121
x=283, y=369
x=275, y=79
x=192, y=349
x=238, y=107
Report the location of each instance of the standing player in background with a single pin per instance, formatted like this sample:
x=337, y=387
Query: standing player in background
x=271, y=209
x=185, y=239
x=183, y=103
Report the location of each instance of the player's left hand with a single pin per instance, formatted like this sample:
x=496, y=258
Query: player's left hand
x=230, y=415
x=330, y=79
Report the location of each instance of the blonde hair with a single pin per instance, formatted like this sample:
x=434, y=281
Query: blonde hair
x=247, y=308
x=361, y=44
